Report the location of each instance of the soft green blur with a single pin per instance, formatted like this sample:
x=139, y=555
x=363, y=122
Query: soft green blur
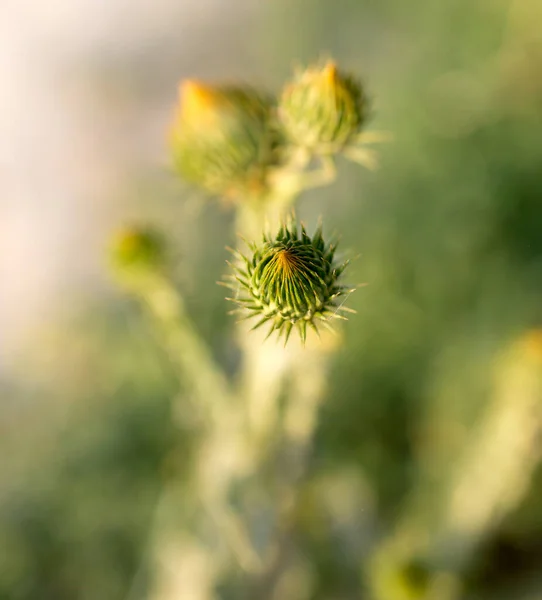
x=435, y=391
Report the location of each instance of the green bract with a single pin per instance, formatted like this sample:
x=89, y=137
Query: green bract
x=322, y=109
x=222, y=139
x=289, y=280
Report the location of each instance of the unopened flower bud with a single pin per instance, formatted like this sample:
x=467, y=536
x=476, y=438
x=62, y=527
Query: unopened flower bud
x=290, y=280
x=221, y=138
x=136, y=250
x=322, y=109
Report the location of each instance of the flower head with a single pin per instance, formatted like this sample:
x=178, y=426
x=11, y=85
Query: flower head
x=221, y=138
x=290, y=280
x=323, y=109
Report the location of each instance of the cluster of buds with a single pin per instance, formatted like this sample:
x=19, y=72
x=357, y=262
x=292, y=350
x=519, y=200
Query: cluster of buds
x=235, y=142
x=230, y=140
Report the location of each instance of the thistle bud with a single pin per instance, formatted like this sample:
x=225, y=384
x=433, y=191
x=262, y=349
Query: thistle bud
x=290, y=280
x=221, y=138
x=322, y=109
x=410, y=580
x=137, y=250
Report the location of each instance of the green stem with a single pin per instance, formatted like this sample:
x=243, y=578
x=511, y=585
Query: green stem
x=212, y=390
x=306, y=393
x=185, y=346
x=267, y=367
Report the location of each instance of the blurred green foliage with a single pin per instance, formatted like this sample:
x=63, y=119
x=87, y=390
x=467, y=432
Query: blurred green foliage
x=449, y=232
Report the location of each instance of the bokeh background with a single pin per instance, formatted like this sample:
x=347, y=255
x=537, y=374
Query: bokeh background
x=449, y=237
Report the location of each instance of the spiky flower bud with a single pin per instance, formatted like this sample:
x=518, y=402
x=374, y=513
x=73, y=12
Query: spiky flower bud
x=323, y=109
x=221, y=138
x=135, y=250
x=290, y=280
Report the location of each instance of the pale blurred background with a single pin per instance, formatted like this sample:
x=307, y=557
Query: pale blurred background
x=448, y=233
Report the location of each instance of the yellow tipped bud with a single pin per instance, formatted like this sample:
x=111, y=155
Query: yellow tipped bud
x=221, y=138
x=199, y=104
x=323, y=109
x=330, y=74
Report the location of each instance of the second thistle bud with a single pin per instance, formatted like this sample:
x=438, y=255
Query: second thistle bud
x=291, y=280
x=221, y=138
x=323, y=109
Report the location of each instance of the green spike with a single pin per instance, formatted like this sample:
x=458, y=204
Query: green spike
x=260, y=323
x=314, y=328
x=348, y=310
x=288, y=326
x=303, y=331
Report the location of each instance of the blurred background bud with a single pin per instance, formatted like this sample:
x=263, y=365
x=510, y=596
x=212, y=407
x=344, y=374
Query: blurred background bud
x=396, y=572
x=222, y=139
x=137, y=250
x=405, y=581
x=322, y=109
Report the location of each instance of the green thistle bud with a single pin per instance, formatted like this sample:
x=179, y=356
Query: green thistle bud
x=290, y=280
x=323, y=109
x=137, y=250
x=221, y=138
x=406, y=581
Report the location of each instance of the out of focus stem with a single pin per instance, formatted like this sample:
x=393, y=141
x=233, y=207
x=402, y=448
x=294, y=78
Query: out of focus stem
x=186, y=349
x=214, y=403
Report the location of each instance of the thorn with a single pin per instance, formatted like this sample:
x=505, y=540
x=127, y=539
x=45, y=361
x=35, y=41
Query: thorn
x=303, y=332
x=314, y=328
x=288, y=327
x=362, y=156
x=269, y=333
x=259, y=323
x=241, y=301
x=329, y=327
x=348, y=310
x=374, y=137
x=234, y=252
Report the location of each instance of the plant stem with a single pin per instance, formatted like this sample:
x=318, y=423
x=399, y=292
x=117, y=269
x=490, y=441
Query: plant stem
x=185, y=346
x=304, y=400
x=215, y=402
